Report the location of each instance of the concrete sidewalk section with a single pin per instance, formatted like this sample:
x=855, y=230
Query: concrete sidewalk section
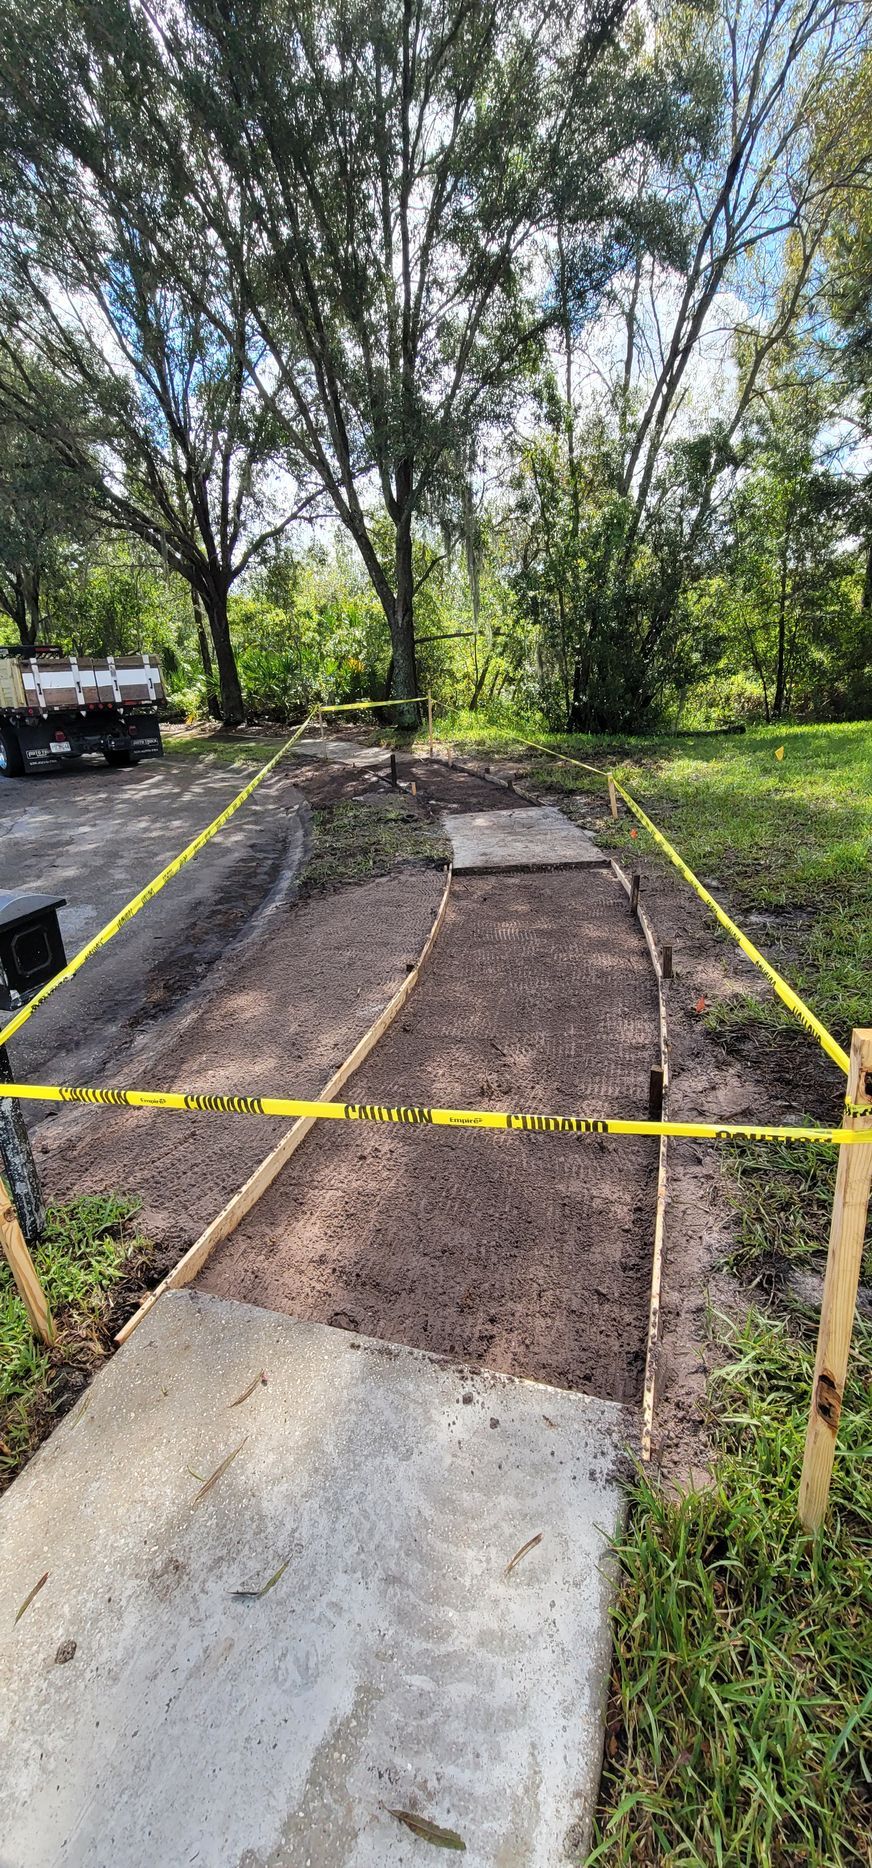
x=327, y=1632
x=342, y=752
x=536, y=837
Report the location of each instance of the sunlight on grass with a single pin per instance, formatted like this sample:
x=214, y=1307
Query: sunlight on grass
x=740, y=1731
x=82, y=1254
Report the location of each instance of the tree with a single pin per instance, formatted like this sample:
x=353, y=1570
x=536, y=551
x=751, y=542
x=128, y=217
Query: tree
x=45, y=515
x=790, y=575
x=381, y=183
x=845, y=333
x=187, y=447
x=661, y=389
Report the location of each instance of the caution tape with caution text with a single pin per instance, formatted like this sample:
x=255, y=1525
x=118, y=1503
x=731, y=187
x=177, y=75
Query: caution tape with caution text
x=413, y=1115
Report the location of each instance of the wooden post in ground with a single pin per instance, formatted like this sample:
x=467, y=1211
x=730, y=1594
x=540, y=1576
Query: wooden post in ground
x=666, y=963
x=613, y=797
x=430, y=721
x=23, y=1270
x=634, y=893
x=655, y=1094
x=847, y=1233
x=321, y=729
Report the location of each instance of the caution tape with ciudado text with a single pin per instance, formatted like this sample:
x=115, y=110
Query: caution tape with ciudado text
x=413, y=1115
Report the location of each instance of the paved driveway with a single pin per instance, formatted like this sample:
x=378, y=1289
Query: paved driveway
x=97, y=836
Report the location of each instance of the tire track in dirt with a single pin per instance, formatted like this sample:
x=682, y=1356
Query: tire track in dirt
x=523, y=1253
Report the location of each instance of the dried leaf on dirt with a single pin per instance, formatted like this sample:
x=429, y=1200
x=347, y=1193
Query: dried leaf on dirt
x=429, y=1832
x=523, y=1552
x=213, y=1480
x=28, y=1599
x=261, y=1378
x=254, y=1595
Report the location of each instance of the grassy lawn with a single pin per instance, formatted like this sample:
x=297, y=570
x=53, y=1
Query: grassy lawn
x=88, y=1248
x=741, y=1728
x=783, y=835
x=241, y=749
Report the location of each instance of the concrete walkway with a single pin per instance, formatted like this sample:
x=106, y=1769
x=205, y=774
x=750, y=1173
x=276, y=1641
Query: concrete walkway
x=341, y=752
x=253, y=1673
x=534, y=837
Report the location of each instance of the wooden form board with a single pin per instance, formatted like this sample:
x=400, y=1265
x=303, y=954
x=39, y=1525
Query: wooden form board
x=250, y=1192
x=653, y=1340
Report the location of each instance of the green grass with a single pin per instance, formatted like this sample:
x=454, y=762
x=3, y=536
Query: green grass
x=353, y=842
x=783, y=1195
x=785, y=835
x=85, y=1249
x=235, y=751
x=740, y=1730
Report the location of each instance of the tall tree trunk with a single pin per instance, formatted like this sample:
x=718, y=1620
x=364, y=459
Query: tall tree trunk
x=27, y=605
x=866, y=599
x=405, y=673
x=213, y=703
x=780, y=668
x=232, y=703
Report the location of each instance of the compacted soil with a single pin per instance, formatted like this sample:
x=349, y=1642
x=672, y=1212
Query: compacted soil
x=295, y=1003
x=526, y=1253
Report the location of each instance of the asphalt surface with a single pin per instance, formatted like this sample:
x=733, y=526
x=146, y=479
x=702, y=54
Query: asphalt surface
x=96, y=836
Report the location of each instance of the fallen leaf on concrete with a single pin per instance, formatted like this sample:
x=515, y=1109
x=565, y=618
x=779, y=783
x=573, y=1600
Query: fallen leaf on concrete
x=217, y=1473
x=28, y=1599
x=429, y=1832
x=549, y=1422
x=250, y=1389
x=525, y=1548
x=254, y=1595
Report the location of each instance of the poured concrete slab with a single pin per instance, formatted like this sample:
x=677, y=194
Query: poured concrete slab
x=341, y=752
x=391, y=1665
x=537, y=837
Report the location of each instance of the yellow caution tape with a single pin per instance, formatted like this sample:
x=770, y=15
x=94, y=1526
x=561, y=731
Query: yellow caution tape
x=413, y=1115
x=565, y=757
x=786, y=994
x=145, y=895
x=407, y=700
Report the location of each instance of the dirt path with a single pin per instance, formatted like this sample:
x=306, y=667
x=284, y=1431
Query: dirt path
x=283, y=1014
x=527, y=1254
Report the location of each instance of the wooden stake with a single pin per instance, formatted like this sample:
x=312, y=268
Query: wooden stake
x=847, y=1233
x=430, y=721
x=23, y=1270
x=666, y=963
x=655, y=1093
x=394, y=770
x=613, y=797
x=634, y=893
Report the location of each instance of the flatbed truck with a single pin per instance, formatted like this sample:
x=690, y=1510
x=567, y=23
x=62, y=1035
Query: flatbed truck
x=55, y=707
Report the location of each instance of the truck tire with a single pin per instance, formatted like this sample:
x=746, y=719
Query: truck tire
x=116, y=757
x=11, y=762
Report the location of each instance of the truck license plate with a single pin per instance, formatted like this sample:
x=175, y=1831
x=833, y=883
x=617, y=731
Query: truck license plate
x=59, y=745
